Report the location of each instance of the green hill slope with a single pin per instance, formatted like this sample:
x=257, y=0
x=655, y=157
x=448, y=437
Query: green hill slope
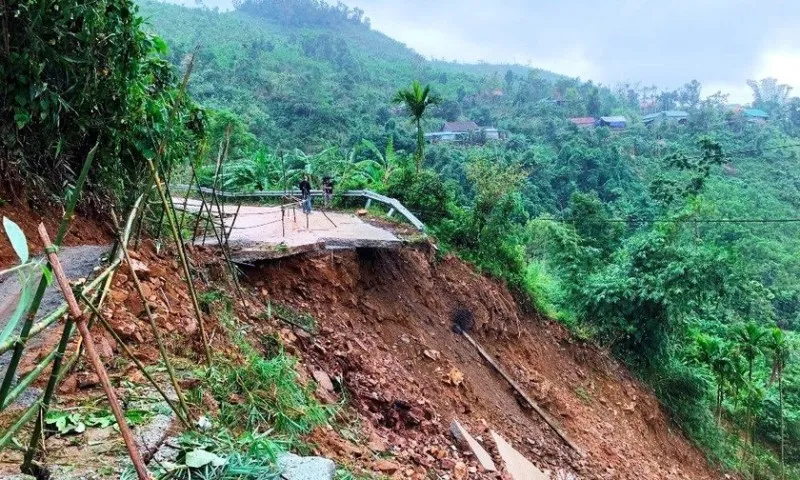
x=301, y=85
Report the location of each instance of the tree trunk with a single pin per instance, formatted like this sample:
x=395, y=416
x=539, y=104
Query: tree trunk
x=780, y=396
x=420, y=145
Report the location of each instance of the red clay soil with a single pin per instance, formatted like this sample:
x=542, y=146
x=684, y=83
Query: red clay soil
x=385, y=331
x=82, y=231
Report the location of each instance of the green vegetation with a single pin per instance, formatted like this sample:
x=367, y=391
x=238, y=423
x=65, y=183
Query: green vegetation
x=672, y=244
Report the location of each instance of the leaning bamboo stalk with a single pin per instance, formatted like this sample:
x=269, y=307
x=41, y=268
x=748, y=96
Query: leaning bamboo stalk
x=183, y=257
x=152, y=321
x=140, y=366
x=94, y=358
x=223, y=155
x=25, y=382
x=31, y=411
x=72, y=201
x=57, y=373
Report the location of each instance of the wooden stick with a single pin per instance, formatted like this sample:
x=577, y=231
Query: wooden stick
x=183, y=257
x=141, y=367
x=549, y=421
x=94, y=358
x=151, y=319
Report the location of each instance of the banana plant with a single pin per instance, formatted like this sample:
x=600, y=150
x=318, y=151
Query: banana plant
x=25, y=274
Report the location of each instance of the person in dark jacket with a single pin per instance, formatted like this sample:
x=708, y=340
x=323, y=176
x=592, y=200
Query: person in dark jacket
x=305, y=194
x=327, y=190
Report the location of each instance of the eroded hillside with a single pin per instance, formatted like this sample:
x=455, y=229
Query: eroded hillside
x=385, y=322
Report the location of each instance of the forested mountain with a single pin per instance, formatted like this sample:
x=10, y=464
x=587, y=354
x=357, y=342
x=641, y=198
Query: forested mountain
x=672, y=243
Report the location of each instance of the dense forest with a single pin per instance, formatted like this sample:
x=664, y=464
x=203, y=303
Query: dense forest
x=672, y=243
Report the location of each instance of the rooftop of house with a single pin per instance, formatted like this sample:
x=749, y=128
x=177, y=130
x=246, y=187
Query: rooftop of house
x=756, y=113
x=614, y=119
x=665, y=114
x=468, y=126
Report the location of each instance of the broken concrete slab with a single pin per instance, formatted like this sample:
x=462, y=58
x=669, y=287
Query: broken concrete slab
x=295, y=467
x=519, y=467
x=463, y=436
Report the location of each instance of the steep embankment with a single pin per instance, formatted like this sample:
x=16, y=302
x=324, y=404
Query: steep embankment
x=385, y=323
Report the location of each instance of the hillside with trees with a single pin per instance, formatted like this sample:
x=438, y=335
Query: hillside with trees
x=670, y=241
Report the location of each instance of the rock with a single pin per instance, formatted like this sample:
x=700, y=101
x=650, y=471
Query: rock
x=140, y=268
x=324, y=380
x=87, y=379
x=460, y=471
x=386, y=466
x=70, y=385
x=463, y=436
x=432, y=354
x=376, y=443
x=295, y=467
x=362, y=211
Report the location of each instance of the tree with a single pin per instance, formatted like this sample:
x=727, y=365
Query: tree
x=417, y=99
x=751, y=342
x=716, y=354
x=777, y=344
x=768, y=94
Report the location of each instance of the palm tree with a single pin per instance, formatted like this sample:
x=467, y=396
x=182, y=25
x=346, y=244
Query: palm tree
x=751, y=341
x=716, y=354
x=417, y=99
x=778, y=345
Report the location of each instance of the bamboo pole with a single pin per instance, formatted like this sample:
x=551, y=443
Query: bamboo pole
x=152, y=321
x=72, y=201
x=57, y=373
x=94, y=358
x=184, y=261
x=223, y=241
x=140, y=366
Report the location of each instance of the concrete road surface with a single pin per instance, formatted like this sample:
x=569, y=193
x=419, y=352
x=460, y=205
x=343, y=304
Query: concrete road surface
x=267, y=232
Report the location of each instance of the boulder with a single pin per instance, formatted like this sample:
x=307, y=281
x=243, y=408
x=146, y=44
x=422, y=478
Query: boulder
x=295, y=467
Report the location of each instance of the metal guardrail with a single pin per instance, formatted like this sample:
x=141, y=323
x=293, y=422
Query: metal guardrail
x=394, y=204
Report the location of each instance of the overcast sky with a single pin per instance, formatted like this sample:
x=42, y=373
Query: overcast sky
x=721, y=43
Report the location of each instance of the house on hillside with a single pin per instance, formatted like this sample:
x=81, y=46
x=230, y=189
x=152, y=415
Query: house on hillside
x=677, y=116
x=612, y=122
x=755, y=115
x=462, y=132
x=583, y=122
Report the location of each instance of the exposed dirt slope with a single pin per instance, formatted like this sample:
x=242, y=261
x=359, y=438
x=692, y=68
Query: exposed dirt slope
x=385, y=321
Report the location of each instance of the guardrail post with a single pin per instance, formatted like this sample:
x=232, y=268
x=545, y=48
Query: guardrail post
x=369, y=203
x=391, y=212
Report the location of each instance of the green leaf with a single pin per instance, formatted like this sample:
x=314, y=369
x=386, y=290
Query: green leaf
x=47, y=273
x=26, y=295
x=201, y=458
x=17, y=238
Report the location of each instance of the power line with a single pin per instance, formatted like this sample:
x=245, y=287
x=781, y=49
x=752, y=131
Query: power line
x=673, y=220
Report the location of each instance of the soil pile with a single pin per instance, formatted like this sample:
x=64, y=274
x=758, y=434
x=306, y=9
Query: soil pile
x=386, y=341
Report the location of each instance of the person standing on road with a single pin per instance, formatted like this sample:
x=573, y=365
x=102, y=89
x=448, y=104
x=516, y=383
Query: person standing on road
x=305, y=194
x=327, y=190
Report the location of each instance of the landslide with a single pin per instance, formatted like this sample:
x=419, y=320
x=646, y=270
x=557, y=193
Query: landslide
x=384, y=321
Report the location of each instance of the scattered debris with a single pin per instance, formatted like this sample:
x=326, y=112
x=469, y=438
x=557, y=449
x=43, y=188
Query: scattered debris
x=463, y=436
x=454, y=377
x=519, y=467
